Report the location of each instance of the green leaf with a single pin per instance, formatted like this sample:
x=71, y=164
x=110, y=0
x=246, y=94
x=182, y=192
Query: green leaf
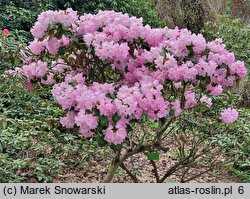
x=111, y=95
x=105, y=61
x=116, y=147
x=144, y=117
x=68, y=34
x=61, y=50
x=171, y=112
x=64, y=27
x=75, y=38
x=90, y=49
x=164, y=51
x=101, y=142
x=153, y=155
x=132, y=122
x=103, y=120
x=115, y=118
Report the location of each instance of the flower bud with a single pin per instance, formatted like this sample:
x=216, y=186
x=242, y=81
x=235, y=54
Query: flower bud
x=5, y=32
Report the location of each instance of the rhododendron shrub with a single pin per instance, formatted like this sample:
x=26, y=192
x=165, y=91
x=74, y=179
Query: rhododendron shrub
x=108, y=71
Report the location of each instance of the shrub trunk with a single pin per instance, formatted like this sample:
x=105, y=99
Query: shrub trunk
x=219, y=6
x=241, y=9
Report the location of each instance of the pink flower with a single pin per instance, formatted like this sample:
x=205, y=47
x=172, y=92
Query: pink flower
x=14, y=72
x=177, y=85
x=120, y=135
x=29, y=86
x=190, y=99
x=177, y=107
x=38, y=30
x=215, y=90
x=5, y=32
x=199, y=43
x=109, y=134
x=69, y=120
x=49, y=81
x=36, y=47
x=35, y=69
x=86, y=122
x=53, y=45
x=65, y=40
x=115, y=137
x=63, y=94
x=87, y=134
x=206, y=100
x=106, y=107
x=229, y=116
x=239, y=69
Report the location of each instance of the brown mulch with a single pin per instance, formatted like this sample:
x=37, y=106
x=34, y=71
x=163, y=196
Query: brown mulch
x=98, y=168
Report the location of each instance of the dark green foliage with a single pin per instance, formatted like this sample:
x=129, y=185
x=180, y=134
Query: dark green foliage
x=21, y=15
x=17, y=18
x=139, y=8
x=10, y=48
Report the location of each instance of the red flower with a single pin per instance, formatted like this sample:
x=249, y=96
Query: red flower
x=29, y=86
x=5, y=32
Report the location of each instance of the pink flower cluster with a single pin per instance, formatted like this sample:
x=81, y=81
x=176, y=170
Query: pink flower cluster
x=35, y=69
x=113, y=65
x=206, y=100
x=229, y=116
x=130, y=102
x=67, y=18
x=51, y=44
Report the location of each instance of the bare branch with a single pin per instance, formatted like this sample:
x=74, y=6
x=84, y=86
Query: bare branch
x=155, y=171
x=197, y=175
x=133, y=177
